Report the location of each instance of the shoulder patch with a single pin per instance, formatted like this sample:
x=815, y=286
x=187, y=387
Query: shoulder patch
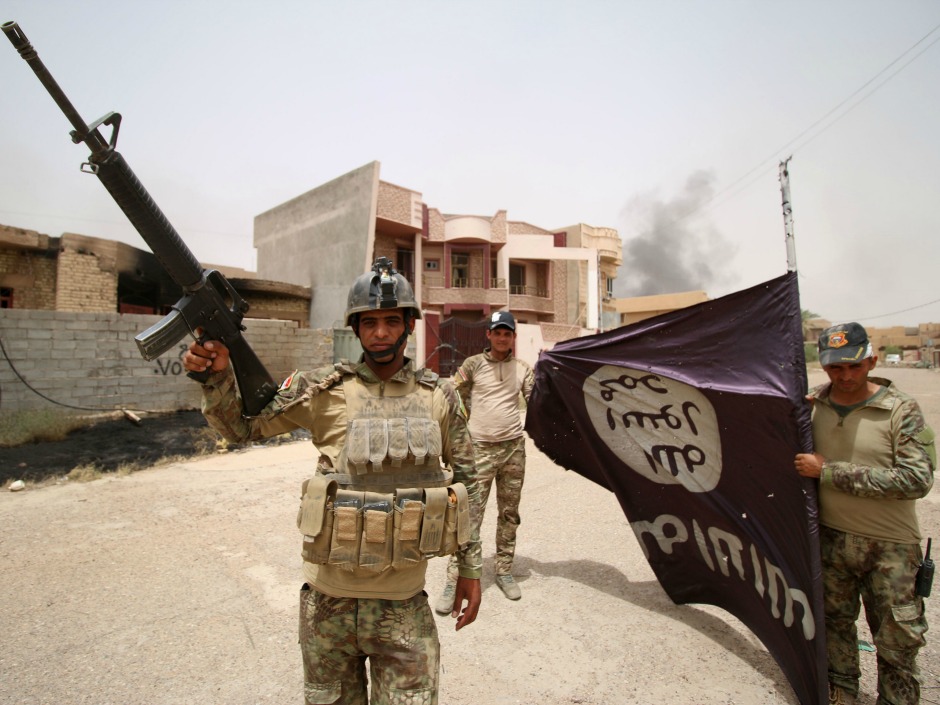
x=288, y=381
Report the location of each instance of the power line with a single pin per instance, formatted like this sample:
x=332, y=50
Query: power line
x=895, y=313
x=870, y=93
x=775, y=155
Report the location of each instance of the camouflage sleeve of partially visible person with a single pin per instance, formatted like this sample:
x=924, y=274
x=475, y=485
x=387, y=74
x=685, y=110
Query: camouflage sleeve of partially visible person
x=463, y=382
x=528, y=381
x=915, y=460
x=457, y=453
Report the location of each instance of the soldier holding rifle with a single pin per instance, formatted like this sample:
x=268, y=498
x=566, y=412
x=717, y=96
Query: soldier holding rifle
x=380, y=504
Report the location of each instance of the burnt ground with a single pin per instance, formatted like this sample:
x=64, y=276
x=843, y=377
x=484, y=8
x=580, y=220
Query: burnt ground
x=111, y=444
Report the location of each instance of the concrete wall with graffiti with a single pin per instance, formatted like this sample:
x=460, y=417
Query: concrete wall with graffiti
x=88, y=362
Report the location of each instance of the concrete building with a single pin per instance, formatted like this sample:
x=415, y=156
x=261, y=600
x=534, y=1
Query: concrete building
x=71, y=306
x=639, y=308
x=920, y=344
x=556, y=281
x=79, y=273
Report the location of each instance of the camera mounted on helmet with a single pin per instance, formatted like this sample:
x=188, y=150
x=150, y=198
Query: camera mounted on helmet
x=380, y=288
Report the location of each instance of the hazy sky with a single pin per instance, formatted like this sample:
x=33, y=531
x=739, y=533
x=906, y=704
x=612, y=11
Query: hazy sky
x=665, y=120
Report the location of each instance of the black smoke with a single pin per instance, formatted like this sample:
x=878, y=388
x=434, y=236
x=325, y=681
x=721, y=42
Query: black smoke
x=668, y=247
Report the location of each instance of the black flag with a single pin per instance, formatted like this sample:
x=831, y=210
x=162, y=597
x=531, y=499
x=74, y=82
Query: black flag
x=692, y=419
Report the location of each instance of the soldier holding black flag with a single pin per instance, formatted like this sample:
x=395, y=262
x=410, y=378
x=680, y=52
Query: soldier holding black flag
x=874, y=457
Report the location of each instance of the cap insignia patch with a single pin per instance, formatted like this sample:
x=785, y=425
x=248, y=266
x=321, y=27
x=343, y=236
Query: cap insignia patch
x=838, y=340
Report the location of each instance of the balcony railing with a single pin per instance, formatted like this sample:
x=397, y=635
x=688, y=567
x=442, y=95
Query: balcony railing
x=437, y=280
x=522, y=290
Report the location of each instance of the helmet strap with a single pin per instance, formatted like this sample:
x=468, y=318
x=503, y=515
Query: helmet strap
x=387, y=357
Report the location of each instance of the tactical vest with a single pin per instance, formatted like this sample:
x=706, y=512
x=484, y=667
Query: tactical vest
x=389, y=502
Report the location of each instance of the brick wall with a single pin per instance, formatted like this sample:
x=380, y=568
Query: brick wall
x=91, y=360
x=385, y=246
x=398, y=204
x=86, y=282
x=435, y=225
x=31, y=275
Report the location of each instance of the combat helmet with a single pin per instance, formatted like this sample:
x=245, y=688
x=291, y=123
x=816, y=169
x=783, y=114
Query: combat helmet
x=382, y=287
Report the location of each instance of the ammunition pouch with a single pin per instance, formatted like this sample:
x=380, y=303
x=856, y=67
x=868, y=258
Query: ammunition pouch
x=374, y=531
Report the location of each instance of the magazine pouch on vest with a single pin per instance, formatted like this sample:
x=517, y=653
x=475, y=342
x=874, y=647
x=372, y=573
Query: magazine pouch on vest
x=409, y=510
x=373, y=530
x=315, y=518
x=456, y=519
x=357, y=447
x=380, y=444
x=375, y=545
x=432, y=531
x=397, y=441
x=347, y=529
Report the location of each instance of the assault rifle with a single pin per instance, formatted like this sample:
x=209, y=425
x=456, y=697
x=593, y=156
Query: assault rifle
x=210, y=304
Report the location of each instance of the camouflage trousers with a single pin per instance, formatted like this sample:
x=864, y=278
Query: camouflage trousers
x=880, y=575
x=504, y=463
x=398, y=637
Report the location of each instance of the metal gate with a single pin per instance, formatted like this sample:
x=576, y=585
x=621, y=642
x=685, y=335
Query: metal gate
x=454, y=341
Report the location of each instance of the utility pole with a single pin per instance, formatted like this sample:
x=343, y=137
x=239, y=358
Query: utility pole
x=787, y=214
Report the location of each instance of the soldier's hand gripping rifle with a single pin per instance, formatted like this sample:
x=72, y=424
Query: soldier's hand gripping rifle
x=210, y=304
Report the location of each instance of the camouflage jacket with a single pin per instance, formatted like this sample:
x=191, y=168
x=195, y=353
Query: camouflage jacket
x=880, y=450
x=315, y=401
x=490, y=390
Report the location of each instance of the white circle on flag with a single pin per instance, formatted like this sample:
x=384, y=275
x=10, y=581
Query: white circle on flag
x=663, y=429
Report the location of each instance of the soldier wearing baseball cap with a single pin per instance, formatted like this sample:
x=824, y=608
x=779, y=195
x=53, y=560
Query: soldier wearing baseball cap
x=502, y=319
x=874, y=456
x=845, y=343
x=490, y=384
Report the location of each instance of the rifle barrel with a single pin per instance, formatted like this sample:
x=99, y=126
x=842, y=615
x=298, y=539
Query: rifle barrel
x=96, y=143
x=113, y=171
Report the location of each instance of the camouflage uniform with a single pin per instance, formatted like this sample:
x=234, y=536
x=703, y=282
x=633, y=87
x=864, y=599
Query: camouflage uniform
x=879, y=450
x=503, y=462
x=398, y=636
x=490, y=388
x=347, y=616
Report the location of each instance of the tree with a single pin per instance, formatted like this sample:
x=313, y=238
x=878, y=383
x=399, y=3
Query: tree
x=807, y=316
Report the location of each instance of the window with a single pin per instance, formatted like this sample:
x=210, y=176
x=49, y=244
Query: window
x=460, y=270
x=405, y=263
x=6, y=297
x=516, y=279
x=610, y=287
x=432, y=265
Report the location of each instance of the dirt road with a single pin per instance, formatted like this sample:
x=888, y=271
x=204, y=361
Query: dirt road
x=179, y=585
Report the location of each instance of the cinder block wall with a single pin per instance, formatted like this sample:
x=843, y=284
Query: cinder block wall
x=90, y=360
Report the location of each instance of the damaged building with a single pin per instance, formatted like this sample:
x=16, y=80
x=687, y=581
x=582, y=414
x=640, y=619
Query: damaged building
x=80, y=273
